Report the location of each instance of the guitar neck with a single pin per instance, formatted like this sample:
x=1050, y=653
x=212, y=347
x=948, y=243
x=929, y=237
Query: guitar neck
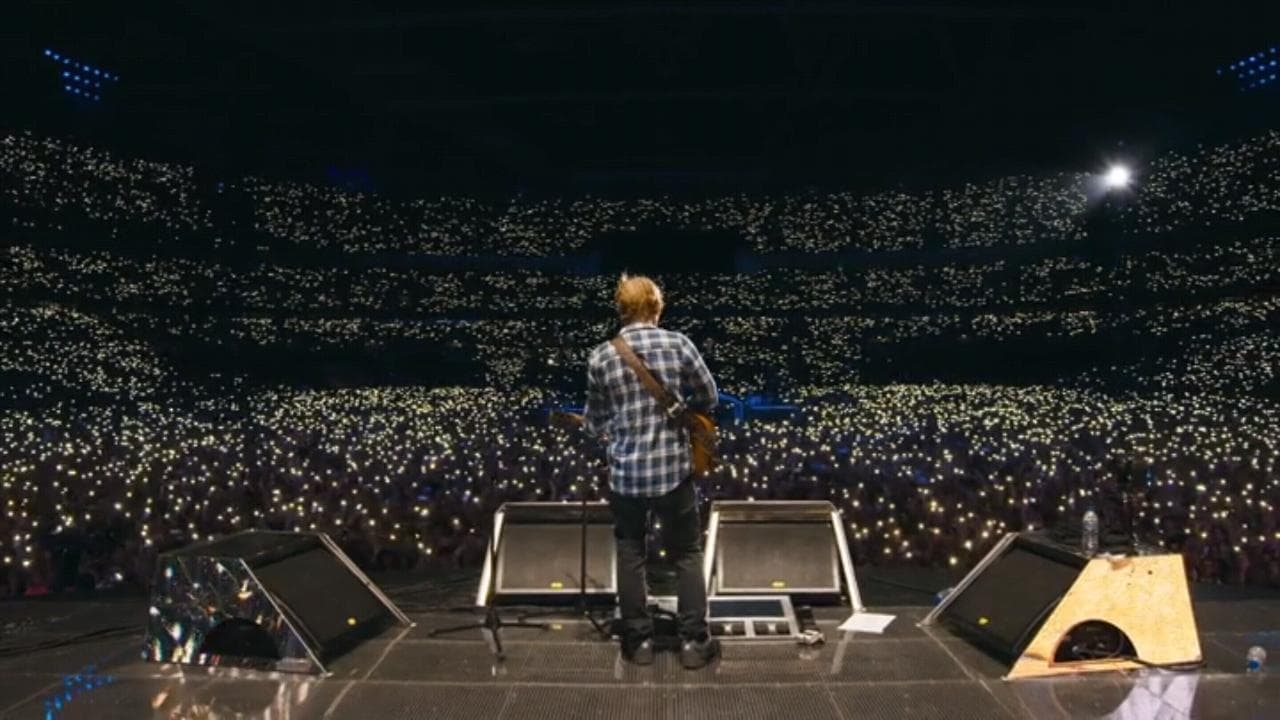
x=566, y=419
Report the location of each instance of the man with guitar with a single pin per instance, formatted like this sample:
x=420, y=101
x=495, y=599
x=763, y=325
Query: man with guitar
x=647, y=393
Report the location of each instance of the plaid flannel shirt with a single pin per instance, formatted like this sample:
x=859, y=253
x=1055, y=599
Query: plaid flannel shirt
x=648, y=450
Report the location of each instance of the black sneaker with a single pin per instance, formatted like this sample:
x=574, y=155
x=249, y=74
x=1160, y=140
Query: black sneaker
x=640, y=653
x=696, y=654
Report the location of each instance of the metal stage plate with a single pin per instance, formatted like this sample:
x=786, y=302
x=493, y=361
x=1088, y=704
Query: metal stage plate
x=567, y=673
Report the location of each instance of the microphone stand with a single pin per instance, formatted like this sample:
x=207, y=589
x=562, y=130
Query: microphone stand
x=1128, y=491
x=493, y=623
x=581, y=606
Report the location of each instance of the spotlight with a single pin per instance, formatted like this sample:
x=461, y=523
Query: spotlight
x=1117, y=176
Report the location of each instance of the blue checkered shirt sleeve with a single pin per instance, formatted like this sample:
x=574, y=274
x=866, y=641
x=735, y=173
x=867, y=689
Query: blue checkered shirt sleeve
x=648, y=450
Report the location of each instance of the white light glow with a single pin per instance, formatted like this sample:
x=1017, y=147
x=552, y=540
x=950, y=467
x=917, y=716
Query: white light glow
x=1118, y=176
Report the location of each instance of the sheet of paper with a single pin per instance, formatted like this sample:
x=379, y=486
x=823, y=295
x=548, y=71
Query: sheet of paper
x=867, y=622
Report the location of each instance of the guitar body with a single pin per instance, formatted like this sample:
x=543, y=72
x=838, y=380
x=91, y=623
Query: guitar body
x=703, y=440
x=703, y=436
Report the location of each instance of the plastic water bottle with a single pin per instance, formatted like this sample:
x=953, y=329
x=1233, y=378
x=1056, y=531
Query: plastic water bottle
x=1255, y=659
x=1089, y=533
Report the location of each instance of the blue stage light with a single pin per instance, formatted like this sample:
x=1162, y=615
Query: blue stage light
x=48, y=52
x=97, y=72
x=67, y=88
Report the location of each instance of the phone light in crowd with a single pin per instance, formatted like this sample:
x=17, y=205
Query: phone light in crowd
x=80, y=79
x=1118, y=176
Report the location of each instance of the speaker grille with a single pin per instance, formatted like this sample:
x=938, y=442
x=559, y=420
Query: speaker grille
x=326, y=599
x=1006, y=604
x=774, y=557
x=546, y=559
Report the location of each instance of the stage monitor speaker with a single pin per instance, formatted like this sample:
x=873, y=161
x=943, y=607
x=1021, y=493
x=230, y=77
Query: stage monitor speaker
x=1049, y=610
x=796, y=548
x=263, y=600
x=539, y=553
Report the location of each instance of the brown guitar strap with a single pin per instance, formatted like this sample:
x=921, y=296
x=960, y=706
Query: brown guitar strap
x=666, y=399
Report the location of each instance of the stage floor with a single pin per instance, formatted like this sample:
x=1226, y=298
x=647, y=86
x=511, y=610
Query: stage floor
x=566, y=673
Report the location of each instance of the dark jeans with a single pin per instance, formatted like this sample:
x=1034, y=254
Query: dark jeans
x=677, y=511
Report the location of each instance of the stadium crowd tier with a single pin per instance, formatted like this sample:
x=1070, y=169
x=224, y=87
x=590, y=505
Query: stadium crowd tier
x=984, y=365
x=56, y=183
x=1224, y=266
x=409, y=477
x=63, y=182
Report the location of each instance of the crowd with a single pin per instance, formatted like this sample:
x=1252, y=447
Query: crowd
x=409, y=478
x=1207, y=186
x=51, y=181
x=1210, y=268
x=1196, y=341
x=113, y=449
x=56, y=182
x=1221, y=183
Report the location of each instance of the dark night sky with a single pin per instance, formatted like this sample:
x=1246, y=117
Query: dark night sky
x=620, y=98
